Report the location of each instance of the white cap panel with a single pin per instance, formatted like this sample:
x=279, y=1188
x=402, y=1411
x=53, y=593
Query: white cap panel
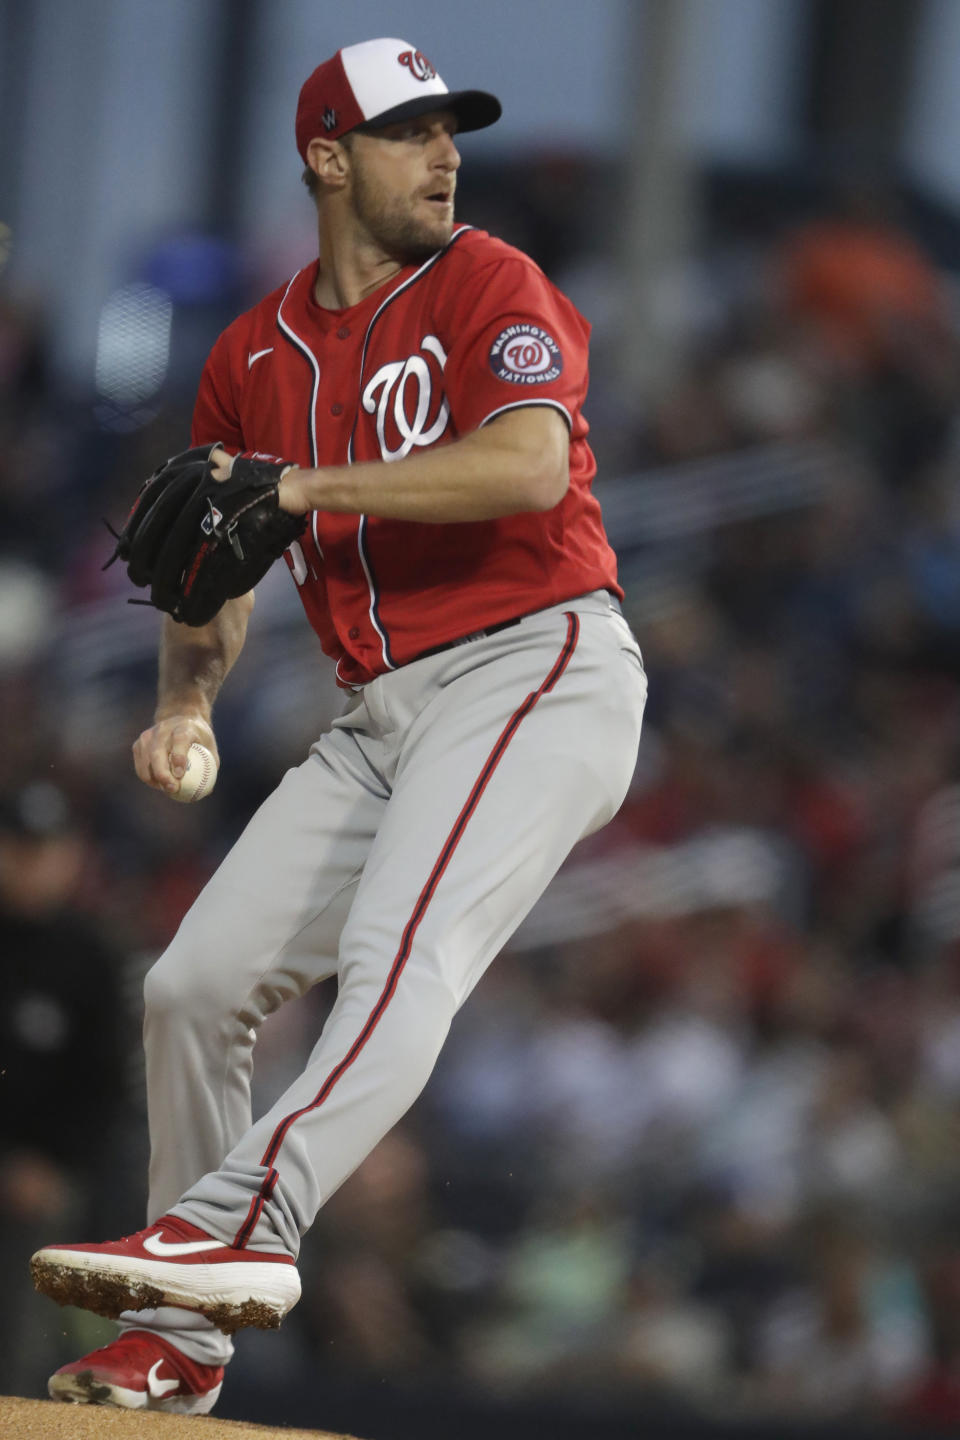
x=380, y=79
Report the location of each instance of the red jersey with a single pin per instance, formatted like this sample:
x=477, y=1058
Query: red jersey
x=437, y=352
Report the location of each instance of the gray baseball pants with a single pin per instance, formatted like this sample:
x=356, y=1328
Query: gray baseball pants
x=400, y=856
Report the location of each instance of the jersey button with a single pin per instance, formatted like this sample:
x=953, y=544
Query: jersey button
x=354, y=632
x=344, y=332
x=336, y=409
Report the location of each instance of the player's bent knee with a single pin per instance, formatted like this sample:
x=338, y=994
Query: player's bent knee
x=163, y=996
x=176, y=988
x=186, y=988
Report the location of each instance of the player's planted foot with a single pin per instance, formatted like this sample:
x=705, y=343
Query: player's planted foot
x=139, y=1371
x=171, y=1263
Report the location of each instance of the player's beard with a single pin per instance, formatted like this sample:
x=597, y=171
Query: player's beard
x=390, y=222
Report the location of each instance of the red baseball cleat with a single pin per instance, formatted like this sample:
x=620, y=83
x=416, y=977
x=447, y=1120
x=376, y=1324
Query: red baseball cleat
x=171, y=1263
x=139, y=1371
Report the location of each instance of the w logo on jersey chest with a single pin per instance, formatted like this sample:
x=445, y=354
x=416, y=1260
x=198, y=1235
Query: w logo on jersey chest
x=407, y=397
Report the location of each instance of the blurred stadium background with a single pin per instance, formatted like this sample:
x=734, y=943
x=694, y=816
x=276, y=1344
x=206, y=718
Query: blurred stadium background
x=690, y=1162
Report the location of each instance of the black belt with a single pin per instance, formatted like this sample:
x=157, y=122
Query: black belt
x=491, y=630
x=474, y=635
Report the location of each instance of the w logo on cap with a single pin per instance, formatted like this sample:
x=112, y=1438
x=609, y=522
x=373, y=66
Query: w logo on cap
x=418, y=64
x=329, y=118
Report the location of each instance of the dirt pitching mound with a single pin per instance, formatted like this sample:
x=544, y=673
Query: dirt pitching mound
x=46, y=1420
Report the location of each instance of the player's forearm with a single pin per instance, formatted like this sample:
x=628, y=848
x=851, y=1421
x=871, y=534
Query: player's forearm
x=195, y=661
x=488, y=473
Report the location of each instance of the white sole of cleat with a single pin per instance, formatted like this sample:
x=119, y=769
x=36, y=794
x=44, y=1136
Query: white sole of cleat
x=232, y=1295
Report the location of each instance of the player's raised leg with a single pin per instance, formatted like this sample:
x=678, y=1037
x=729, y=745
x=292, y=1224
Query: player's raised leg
x=502, y=766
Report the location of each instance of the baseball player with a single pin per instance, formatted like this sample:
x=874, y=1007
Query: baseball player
x=425, y=382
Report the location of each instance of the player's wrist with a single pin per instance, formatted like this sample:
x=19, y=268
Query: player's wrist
x=190, y=712
x=292, y=492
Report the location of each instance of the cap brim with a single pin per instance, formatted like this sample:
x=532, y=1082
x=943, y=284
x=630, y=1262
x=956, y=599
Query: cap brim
x=474, y=109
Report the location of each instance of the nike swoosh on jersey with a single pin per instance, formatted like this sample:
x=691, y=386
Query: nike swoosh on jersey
x=251, y=356
x=158, y=1246
x=157, y=1387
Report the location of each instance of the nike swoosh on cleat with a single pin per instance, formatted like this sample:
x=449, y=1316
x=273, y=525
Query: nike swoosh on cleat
x=157, y=1387
x=252, y=357
x=158, y=1246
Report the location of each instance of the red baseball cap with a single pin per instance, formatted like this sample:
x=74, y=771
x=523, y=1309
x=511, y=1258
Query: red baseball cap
x=376, y=83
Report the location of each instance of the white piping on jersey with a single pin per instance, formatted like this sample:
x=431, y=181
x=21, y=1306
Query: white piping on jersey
x=362, y=524
x=304, y=348
x=523, y=405
x=341, y=679
x=371, y=609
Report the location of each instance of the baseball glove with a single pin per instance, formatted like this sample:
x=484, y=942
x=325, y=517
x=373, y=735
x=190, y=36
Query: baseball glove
x=197, y=541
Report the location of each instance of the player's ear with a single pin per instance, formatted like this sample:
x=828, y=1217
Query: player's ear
x=329, y=161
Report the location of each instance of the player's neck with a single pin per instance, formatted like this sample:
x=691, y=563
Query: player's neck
x=339, y=286
x=351, y=268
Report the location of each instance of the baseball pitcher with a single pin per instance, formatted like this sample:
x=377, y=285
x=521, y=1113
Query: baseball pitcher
x=403, y=421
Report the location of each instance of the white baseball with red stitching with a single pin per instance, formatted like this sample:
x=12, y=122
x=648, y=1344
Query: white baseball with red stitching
x=200, y=775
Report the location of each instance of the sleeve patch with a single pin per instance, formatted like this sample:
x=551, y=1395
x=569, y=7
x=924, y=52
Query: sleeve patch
x=525, y=355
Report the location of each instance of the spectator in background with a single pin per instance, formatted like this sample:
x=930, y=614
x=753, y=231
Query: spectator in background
x=61, y=1057
x=373, y=1295
x=862, y=282
x=878, y=307
x=934, y=1401
x=854, y=1335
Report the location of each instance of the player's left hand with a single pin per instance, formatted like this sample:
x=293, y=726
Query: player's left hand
x=205, y=528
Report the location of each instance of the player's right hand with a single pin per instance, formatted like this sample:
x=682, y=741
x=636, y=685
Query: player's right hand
x=160, y=753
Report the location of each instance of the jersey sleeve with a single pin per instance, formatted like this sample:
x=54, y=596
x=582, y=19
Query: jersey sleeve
x=519, y=342
x=215, y=414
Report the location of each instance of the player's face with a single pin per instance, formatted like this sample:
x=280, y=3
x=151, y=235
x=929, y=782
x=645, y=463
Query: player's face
x=403, y=181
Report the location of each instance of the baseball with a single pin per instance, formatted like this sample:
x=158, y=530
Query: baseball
x=200, y=775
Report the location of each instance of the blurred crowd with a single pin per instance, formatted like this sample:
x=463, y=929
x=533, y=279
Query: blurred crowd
x=695, y=1136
